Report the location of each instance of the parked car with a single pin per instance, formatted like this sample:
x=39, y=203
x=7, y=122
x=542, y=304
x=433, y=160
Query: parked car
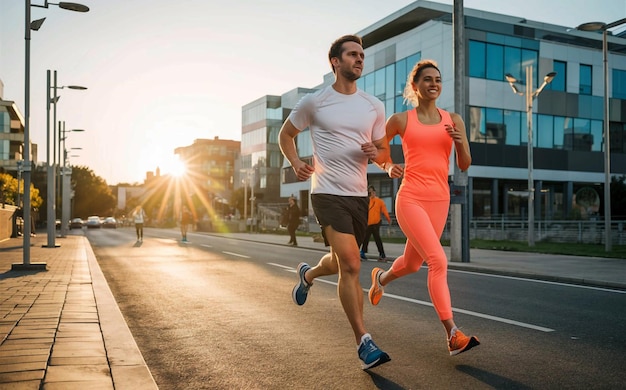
x=109, y=222
x=76, y=223
x=93, y=222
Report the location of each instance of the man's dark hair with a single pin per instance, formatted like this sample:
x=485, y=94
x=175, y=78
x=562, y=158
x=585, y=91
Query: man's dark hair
x=336, y=49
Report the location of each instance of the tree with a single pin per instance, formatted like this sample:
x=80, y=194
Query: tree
x=92, y=195
x=8, y=191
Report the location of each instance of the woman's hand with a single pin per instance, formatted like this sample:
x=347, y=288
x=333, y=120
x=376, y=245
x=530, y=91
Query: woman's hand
x=394, y=170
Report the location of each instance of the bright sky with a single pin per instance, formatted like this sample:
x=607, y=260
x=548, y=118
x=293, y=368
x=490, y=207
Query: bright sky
x=162, y=73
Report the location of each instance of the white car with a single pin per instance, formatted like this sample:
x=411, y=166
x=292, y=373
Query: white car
x=93, y=222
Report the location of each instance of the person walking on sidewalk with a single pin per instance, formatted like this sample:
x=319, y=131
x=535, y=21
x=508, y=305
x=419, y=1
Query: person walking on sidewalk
x=139, y=216
x=376, y=208
x=185, y=219
x=347, y=128
x=423, y=199
x=293, y=218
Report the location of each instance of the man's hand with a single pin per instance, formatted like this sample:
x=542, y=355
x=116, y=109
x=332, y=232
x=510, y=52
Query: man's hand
x=370, y=150
x=303, y=170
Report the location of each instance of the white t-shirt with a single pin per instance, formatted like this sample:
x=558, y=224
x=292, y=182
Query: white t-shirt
x=339, y=124
x=139, y=214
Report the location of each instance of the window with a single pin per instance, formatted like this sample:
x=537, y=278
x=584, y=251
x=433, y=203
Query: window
x=512, y=127
x=619, y=84
x=390, y=79
x=544, y=131
x=585, y=80
x=379, y=84
x=495, y=62
x=401, y=79
x=582, y=135
x=512, y=62
x=597, y=135
x=477, y=124
x=494, y=129
x=559, y=132
x=477, y=66
x=560, y=80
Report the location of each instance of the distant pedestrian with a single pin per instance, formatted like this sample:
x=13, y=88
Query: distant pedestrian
x=376, y=209
x=293, y=220
x=139, y=216
x=347, y=128
x=185, y=219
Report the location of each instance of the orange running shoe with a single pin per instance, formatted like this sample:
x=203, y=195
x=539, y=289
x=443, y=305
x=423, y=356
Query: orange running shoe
x=461, y=343
x=376, y=291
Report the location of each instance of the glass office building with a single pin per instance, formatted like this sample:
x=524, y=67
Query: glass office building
x=567, y=122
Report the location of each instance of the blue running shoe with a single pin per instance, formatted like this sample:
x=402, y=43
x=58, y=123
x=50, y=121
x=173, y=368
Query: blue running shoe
x=301, y=290
x=363, y=256
x=370, y=355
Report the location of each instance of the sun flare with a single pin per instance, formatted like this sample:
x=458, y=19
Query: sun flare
x=177, y=168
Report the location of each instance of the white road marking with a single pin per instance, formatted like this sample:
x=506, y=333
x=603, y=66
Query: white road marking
x=206, y=246
x=604, y=289
x=463, y=311
x=236, y=254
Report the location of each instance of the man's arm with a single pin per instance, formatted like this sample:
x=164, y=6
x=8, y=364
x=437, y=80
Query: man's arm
x=287, y=143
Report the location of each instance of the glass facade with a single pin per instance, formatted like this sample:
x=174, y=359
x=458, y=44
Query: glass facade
x=559, y=82
x=585, y=80
x=502, y=55
x=496, y=126
x=567, y=118
x=388, y=85
x=619, y=83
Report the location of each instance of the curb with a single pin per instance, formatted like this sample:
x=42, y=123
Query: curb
x=128, y=368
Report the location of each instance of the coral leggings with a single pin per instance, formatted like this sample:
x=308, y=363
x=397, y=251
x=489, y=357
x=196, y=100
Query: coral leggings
x=423, y=222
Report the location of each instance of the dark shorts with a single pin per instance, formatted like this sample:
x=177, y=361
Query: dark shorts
x=346, y=214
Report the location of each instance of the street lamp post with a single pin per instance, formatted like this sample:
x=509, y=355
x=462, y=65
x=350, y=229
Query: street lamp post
x=35, y=25
x=248, y=179
x=600, y=26
x=52, y=166
x=64, y=181
x=530, y=96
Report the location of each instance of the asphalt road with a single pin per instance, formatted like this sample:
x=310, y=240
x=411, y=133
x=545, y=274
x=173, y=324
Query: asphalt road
x=216, y=313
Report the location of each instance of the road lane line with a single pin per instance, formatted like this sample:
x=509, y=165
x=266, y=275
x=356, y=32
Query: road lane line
x=472, y=313
x=236, y=254
x=604, y=289
x=463, y=311
x=206, y=246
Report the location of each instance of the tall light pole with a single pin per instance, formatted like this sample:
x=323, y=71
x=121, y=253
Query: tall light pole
x=52, y=166
x=64, y=178
x=600, y=26
x=35, y=25
x=249, y=178
x=530, y=96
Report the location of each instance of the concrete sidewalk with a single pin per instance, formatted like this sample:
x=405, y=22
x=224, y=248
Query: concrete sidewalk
x=61, y=328
x=591, y=271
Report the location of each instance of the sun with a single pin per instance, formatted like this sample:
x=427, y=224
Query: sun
x=176, y=168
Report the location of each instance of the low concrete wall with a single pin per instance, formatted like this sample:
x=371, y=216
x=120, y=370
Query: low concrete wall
x=6, y=221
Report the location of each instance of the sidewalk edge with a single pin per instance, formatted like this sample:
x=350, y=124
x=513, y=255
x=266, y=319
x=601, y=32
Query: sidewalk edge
x=128, y=367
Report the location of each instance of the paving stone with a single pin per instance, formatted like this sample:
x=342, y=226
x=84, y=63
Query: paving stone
x=78, y=373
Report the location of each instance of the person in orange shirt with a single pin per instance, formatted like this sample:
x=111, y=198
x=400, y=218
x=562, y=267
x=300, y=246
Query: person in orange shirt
x=428, y=134
x=376, y=208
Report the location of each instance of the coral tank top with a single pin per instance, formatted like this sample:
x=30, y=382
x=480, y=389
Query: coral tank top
x=427, y=150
